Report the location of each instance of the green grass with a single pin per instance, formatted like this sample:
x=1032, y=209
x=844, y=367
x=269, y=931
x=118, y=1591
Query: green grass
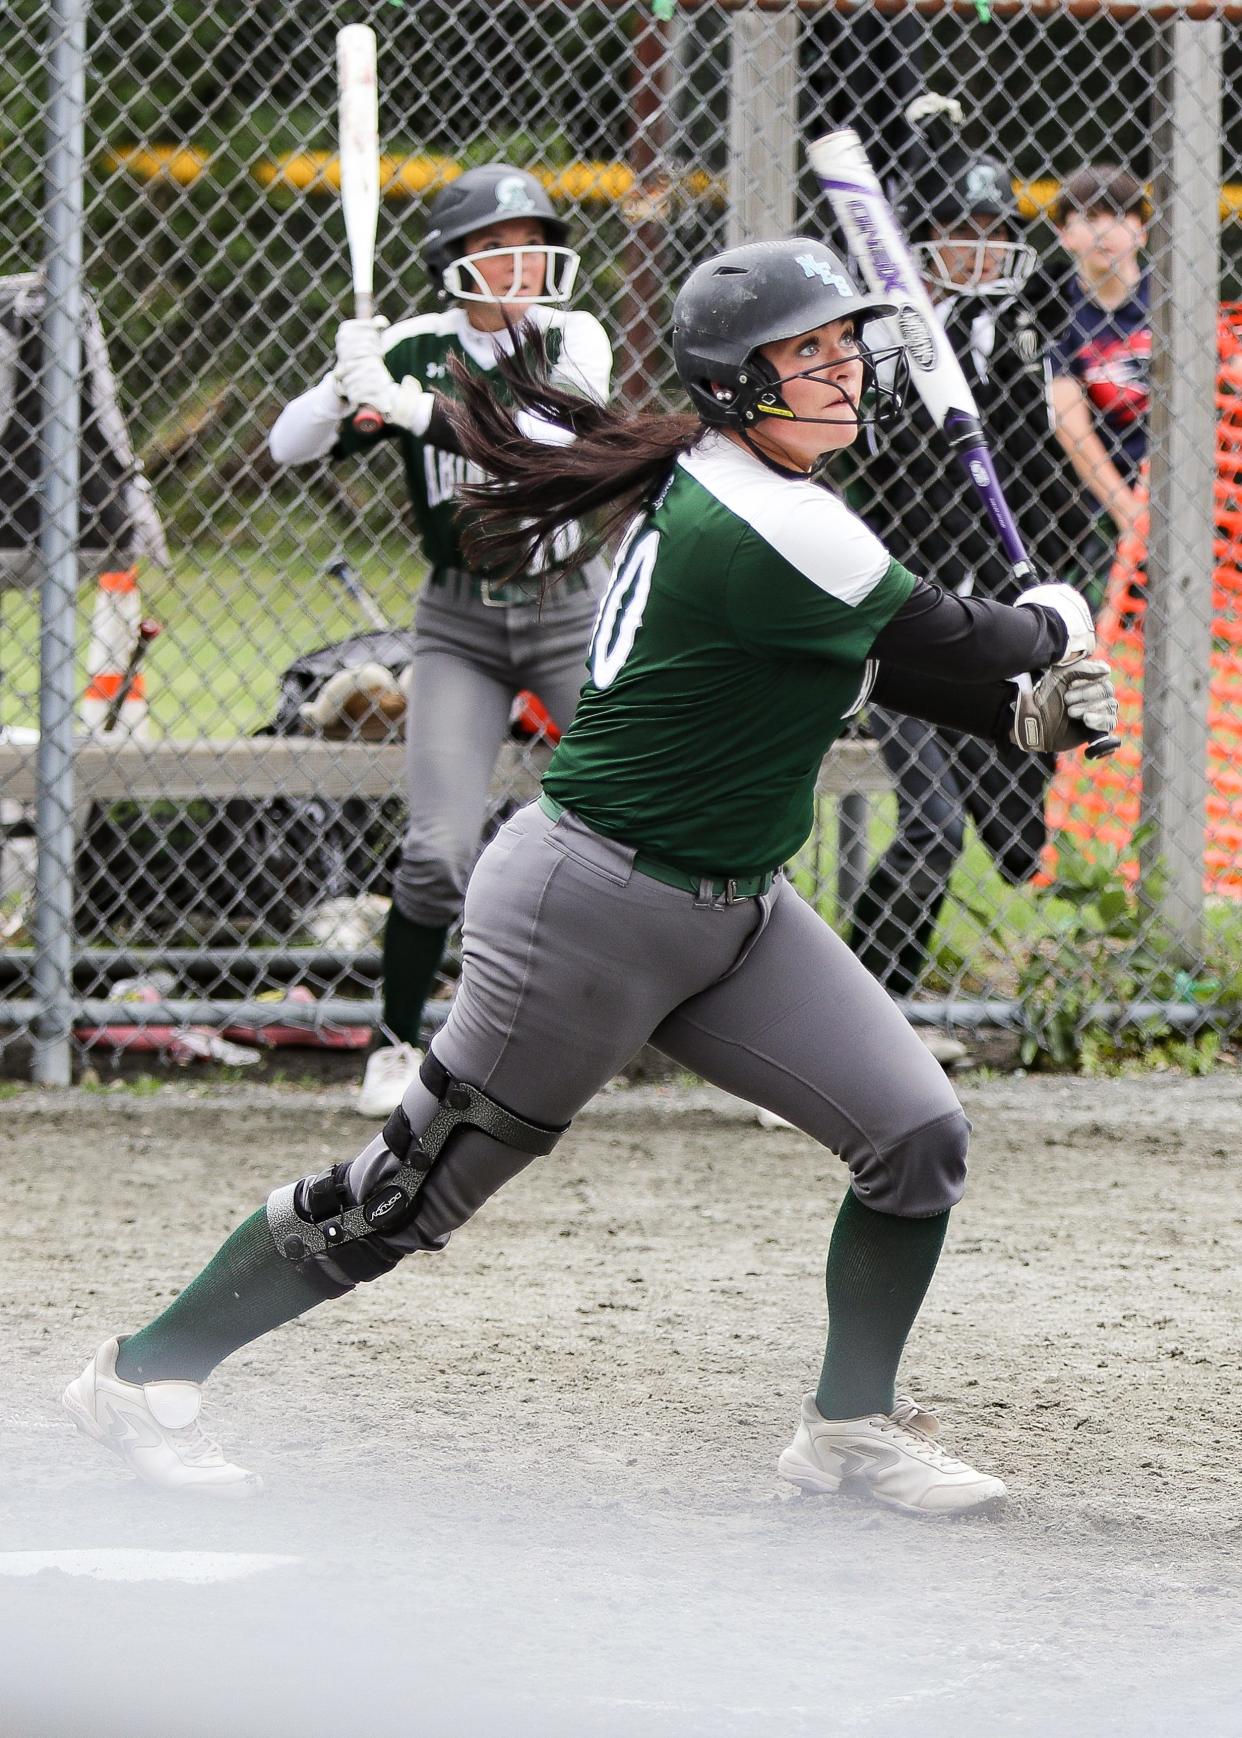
x=233, y=619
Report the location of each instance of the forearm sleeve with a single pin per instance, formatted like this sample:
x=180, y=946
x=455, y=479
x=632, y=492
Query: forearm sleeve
x=308, y=426
x=968, y=639
x=979, y=708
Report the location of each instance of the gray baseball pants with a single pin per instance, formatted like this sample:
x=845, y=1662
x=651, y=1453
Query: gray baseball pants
x=470, y=659
x=573, y=960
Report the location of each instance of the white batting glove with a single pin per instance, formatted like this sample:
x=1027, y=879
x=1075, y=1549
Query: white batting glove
x=401, y=403
x=1071, y=606
x=1067, y=706
x=929, y=106
x=358, y=338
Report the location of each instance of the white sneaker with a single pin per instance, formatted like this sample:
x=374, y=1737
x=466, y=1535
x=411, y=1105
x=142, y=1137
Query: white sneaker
x=768, y=1119
x=154, y=1428
x=888, y=1460
x=946, y=1050
x=388, y=1072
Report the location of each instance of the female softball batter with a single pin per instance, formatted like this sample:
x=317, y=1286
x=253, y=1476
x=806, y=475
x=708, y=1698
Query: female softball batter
x=495, y=249
x=641, y=898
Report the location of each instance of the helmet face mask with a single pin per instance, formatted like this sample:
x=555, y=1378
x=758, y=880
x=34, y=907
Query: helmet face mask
x=463, y=280
x=961, y=217
x=758, y=394
x=980, y=266
x=758, y=294
x=480, y=199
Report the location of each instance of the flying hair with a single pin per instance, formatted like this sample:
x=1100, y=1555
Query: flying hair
x=615, y=461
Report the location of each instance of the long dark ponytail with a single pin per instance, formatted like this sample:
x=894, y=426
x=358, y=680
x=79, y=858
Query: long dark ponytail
x=508, y=523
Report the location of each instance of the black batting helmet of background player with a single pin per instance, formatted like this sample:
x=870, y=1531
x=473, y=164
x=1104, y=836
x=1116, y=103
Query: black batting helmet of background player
x=758, y=294
x=955, y=186
x=477, y=198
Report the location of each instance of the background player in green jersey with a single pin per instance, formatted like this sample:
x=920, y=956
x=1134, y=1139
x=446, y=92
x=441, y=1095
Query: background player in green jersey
x=495, y=251
x=641, y=899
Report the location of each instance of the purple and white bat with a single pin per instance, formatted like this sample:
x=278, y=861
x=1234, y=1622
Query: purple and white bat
x=876, y=242
x=852, y=186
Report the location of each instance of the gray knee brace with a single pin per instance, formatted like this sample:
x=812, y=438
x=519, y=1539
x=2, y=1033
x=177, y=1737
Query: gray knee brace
x=317, y=1215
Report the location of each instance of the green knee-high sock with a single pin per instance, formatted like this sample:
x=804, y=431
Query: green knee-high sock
x=412, y=951
x=879, y=1269
x=245, y=1289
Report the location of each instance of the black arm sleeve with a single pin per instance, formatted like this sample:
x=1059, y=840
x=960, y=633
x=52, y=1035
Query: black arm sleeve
x=968, y=639
x=979, y=708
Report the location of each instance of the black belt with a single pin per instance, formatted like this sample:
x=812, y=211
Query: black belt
x=497, y=594
x=730, y=888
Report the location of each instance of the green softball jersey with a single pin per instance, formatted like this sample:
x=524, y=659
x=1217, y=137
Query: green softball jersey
x=730, y=648
x=581, y=359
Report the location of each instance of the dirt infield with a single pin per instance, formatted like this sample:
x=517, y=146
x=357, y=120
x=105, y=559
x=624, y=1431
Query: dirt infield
x=527, y=1486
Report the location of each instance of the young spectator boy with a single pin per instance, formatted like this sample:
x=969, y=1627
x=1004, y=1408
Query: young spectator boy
x=1101, y=354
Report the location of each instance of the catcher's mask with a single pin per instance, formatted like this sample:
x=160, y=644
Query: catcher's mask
x=957, y=191
x=496, y=193
x=758, y=294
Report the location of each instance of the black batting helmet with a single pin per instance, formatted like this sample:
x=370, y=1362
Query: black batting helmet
x=478, y=197
x=753, y=295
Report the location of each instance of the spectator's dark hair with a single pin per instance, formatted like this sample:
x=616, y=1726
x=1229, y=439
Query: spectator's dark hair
x=615, y=460
x=1101, y=187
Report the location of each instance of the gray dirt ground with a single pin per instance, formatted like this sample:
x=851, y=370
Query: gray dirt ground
x=528, y=1486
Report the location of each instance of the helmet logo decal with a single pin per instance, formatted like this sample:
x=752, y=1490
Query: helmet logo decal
x=821, y=269
x=983, y=185
x=514, y=197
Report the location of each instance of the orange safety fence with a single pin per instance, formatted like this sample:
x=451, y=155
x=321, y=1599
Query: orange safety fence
x=1097, y=802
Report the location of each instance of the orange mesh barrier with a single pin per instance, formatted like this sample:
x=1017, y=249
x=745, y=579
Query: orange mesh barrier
x=1097, y=802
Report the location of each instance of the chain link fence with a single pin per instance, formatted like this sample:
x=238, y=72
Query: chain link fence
x=181, y=849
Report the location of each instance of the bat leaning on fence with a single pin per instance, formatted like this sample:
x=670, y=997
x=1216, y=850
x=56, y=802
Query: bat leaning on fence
x=358, y=100
x=845, y=174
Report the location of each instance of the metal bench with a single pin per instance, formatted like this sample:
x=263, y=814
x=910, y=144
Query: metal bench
x=270, y=766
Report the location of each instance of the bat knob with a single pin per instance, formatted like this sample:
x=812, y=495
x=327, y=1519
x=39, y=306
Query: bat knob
x=1101, y=746
x=367, y=421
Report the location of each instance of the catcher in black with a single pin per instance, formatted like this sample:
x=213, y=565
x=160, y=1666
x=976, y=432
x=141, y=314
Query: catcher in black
x=960, y=215
x=495, y=250
x=641, y=898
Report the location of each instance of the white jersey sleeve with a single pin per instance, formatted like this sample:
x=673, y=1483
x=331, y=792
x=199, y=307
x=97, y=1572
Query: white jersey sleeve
x=307, y=427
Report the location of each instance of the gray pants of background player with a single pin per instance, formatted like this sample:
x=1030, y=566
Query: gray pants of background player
x=573, y=960
x=470, y=659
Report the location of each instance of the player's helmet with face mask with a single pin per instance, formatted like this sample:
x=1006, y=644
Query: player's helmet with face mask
x=758, y=294
x=477, y=199
x=973, y=195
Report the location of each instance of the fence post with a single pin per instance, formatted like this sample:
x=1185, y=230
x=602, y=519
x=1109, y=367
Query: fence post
x=763, y=124
x=1185, y=270
x=61, y=388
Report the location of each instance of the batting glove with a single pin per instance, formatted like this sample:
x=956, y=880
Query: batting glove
x=1071, y=606
x=929, y=106
x=1067, y=706
x=401, y=403
x=356, y=339
x=362, y=378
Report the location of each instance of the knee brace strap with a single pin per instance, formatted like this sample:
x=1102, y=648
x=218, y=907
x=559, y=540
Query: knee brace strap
x=460, y=1103
x=329, y=1220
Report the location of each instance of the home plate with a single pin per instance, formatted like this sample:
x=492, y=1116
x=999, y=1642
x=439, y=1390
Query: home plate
x=195, y=1568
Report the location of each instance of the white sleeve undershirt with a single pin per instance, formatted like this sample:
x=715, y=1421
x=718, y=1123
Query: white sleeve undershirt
x=308, y=425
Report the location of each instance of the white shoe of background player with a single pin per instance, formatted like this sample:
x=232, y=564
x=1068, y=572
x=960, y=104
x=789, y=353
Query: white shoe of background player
x=890, y=1460
x=154, y=1428
x=945, y=1049
x=388, y=1072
